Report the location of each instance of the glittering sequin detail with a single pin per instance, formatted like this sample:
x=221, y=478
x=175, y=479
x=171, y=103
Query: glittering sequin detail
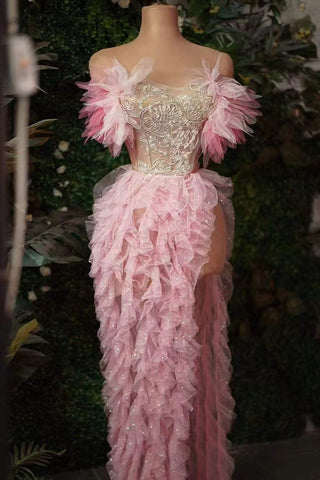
x=167, y=125
x=165, y=358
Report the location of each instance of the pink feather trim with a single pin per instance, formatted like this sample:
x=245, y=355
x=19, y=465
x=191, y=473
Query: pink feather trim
x=235, y=108
x=106, y=120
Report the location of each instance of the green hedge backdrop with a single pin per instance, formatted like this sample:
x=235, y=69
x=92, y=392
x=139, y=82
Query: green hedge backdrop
x=274, y=312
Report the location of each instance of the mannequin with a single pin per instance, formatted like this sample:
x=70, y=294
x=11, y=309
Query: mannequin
x=161, y=236
x=160, y=37
x=159, y=34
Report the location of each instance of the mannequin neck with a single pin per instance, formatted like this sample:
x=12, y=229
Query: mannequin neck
x=158, y=23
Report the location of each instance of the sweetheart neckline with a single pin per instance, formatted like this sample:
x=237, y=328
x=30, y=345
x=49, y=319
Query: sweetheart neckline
x=171, y=87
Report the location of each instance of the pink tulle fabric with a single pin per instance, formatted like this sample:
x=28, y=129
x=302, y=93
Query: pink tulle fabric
x=163, y=328
x=105, y=120
x=236, y=107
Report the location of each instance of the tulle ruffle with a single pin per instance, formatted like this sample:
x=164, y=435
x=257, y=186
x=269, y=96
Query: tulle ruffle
x=165, y=358
x=236, y=108
x=105, y=119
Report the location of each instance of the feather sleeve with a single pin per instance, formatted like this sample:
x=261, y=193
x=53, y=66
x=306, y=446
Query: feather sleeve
x=235, y=108
x=105, y=119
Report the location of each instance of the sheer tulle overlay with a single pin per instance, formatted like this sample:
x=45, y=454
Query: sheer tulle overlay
x=162, y=326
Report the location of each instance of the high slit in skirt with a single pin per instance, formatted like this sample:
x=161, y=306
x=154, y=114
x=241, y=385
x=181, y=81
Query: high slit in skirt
x=163, y=328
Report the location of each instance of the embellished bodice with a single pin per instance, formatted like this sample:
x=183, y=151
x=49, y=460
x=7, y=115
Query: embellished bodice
x=165, y=128
x=167, y=123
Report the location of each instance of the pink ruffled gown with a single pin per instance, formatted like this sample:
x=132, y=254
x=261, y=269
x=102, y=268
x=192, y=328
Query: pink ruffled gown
x=163, y=327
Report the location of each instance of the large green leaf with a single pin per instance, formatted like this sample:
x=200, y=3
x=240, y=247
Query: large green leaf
x=23, y=362
x=29, y=454
x=59, y=237
x=23, y=365
x=24, y=332
x=32, y=258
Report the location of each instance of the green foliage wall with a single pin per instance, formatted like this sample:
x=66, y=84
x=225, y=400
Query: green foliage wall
x=274, y=331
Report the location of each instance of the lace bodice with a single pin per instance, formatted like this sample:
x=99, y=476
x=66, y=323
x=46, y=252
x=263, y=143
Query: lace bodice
x=165, y=128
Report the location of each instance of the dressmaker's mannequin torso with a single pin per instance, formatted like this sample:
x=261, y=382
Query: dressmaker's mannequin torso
x=159, y=225
x=160, y=38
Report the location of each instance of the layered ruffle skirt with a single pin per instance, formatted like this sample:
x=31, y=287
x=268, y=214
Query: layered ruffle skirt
x=163, y=328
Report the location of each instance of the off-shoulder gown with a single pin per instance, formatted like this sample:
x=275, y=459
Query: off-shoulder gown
x=162, y=326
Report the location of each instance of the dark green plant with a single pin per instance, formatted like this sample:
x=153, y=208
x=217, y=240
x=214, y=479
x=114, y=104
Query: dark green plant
x=22, y=361
x=275, y=178
x=29, y=455
x=36, y=139
x=58, y=237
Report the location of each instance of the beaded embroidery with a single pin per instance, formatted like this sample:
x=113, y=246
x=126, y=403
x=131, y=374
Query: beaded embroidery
x=167, y=125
